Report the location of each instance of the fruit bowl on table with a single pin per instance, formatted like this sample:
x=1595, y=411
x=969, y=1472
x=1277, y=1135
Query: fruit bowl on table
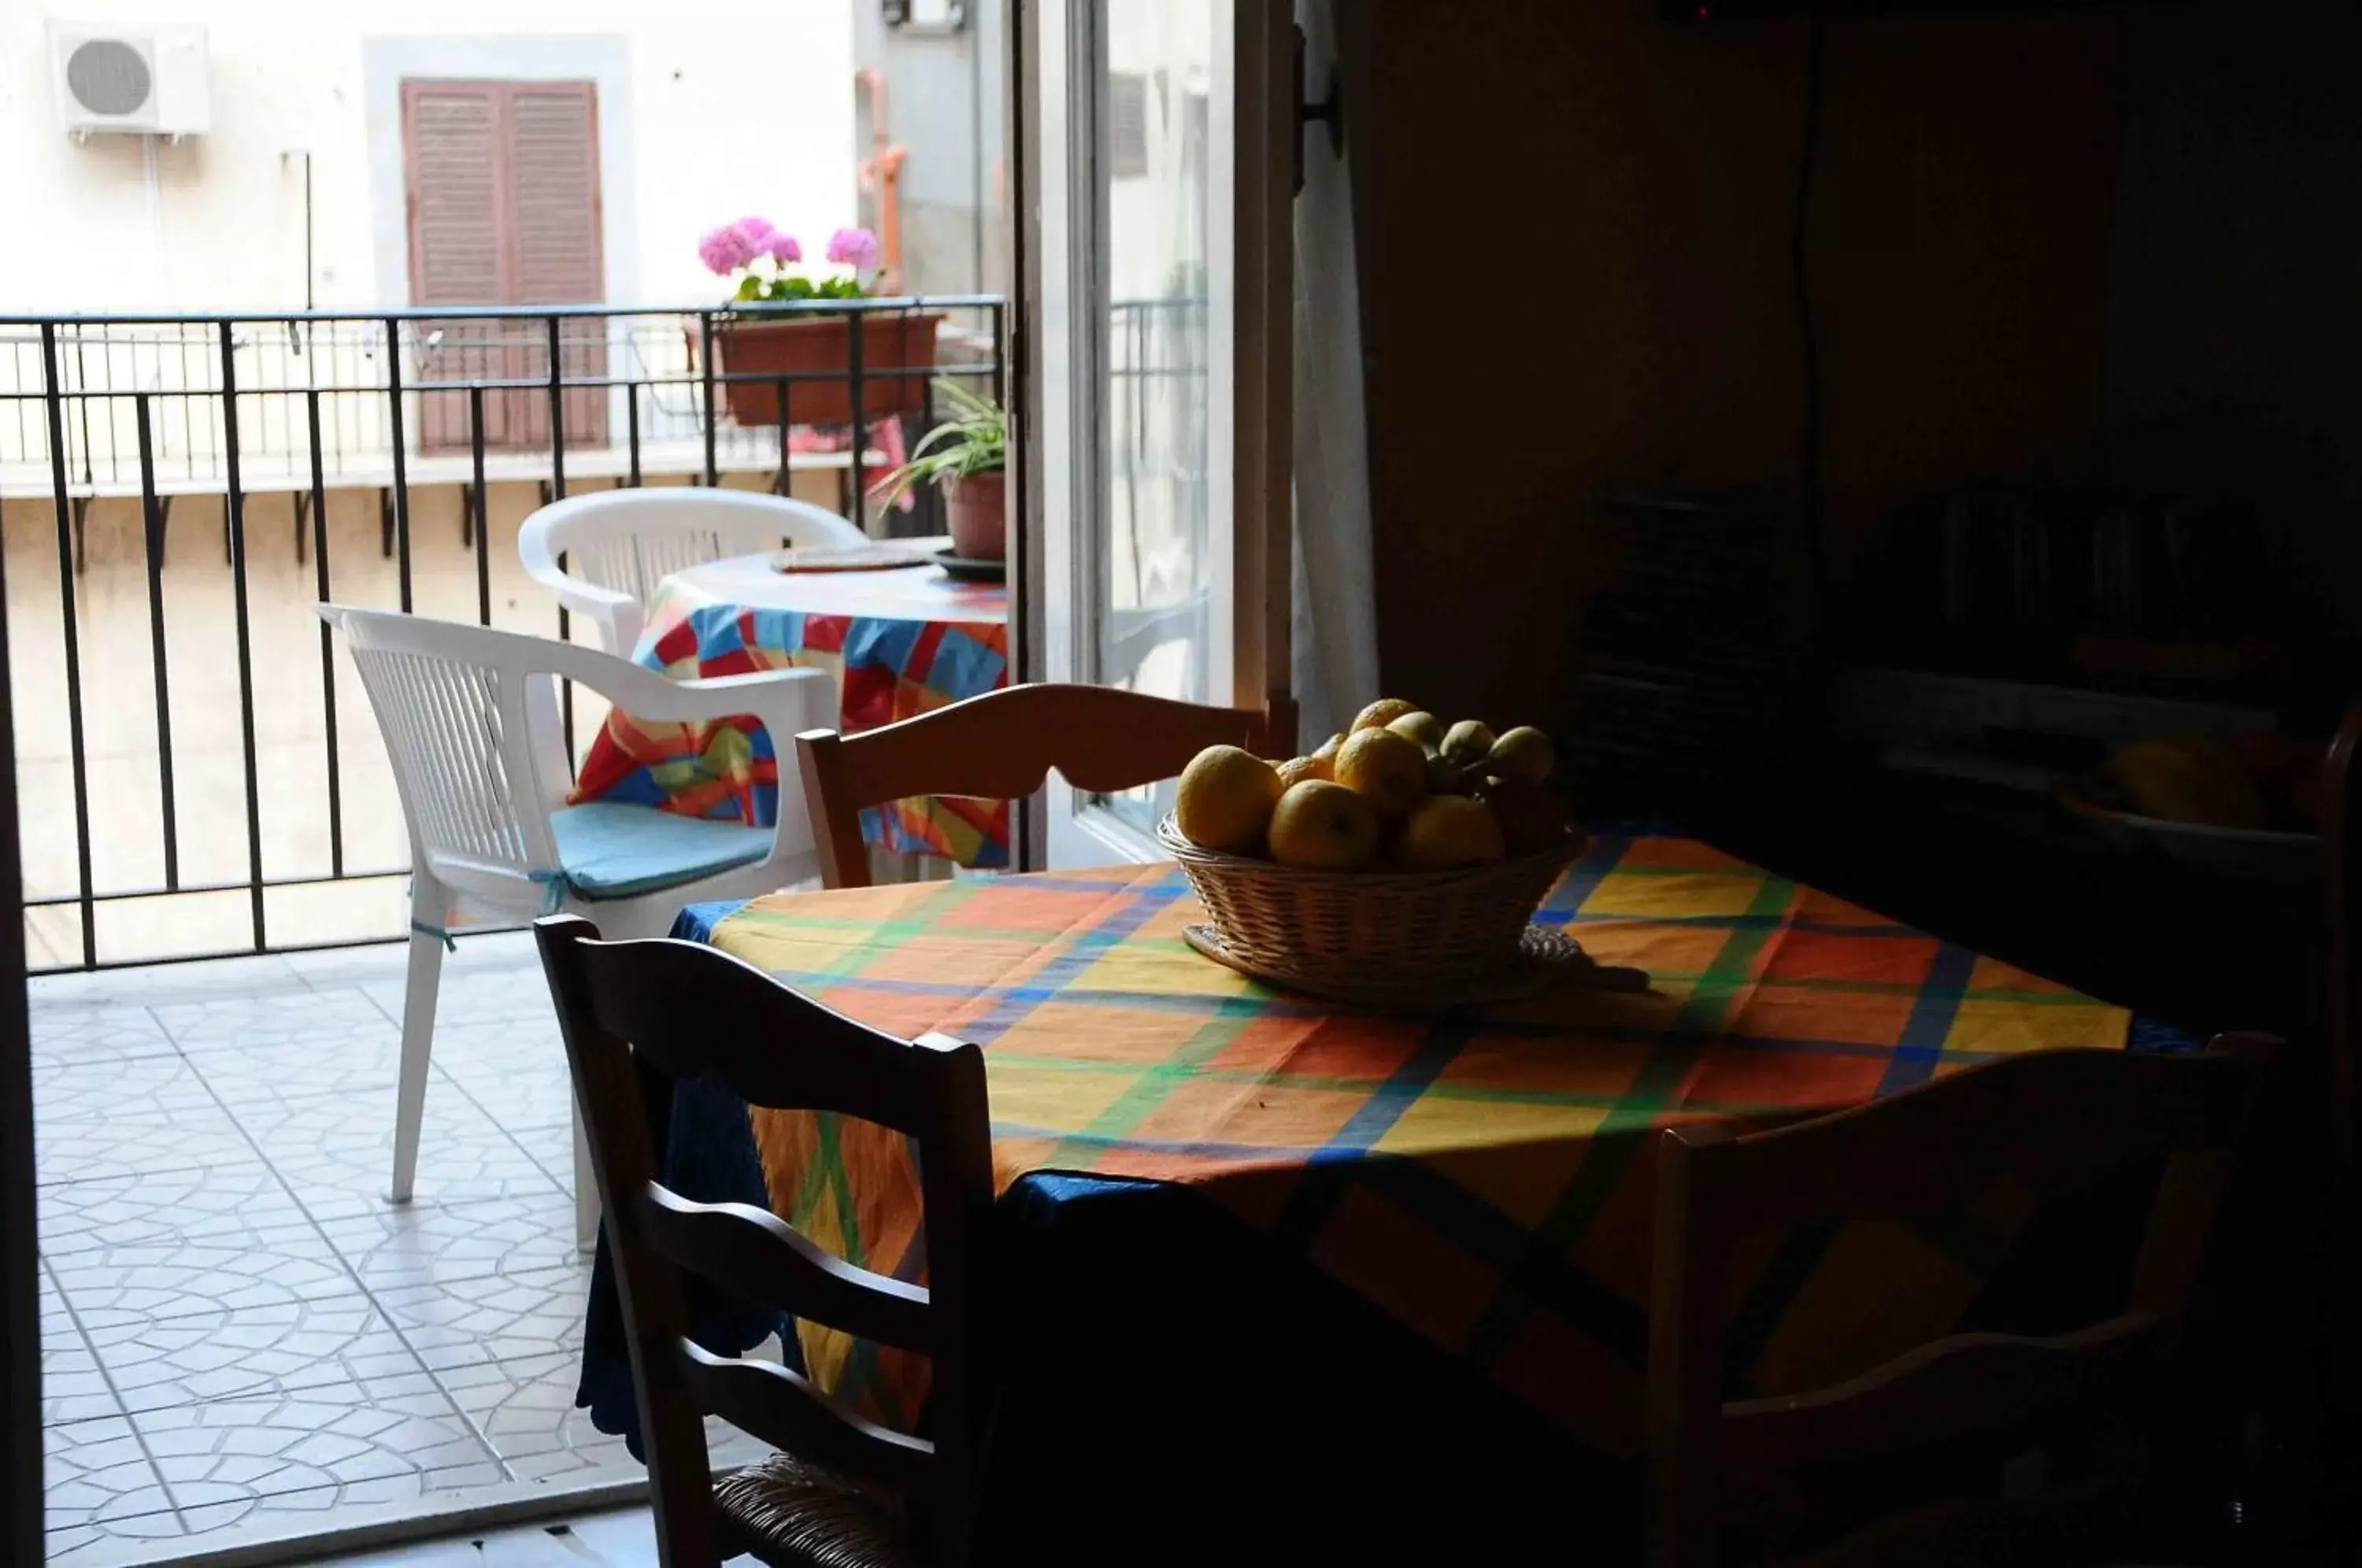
x=2259, y=853
x=1373, y=935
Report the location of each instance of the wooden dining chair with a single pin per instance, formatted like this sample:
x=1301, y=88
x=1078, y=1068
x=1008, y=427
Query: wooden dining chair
x=1002, y=746
x=841, y=1492
x=2048, y=1122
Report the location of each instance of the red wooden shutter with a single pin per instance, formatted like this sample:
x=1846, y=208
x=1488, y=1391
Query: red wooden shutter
x=503, y=196
x=553, y=163
x=450, y=134
x=552, y=130
x=459, y=221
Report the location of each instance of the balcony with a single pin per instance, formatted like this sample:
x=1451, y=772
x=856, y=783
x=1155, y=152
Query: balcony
x=197, y=771
x=244, y=1345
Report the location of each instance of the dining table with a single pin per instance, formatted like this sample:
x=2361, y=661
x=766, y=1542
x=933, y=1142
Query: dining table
x=900, y=641
x=1372, y=1275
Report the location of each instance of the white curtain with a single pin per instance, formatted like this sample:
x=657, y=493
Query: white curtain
x=1333, y=634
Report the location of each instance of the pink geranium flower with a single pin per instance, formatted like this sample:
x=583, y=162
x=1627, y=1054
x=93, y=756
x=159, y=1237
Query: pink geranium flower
x=756, y=235
x=724, y=250
x=783, y=249
x=854, y=247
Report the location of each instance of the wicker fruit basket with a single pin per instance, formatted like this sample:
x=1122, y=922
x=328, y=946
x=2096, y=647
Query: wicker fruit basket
x=1379, y=935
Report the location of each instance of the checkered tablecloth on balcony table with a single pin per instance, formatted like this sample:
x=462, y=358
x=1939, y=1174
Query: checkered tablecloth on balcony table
x=898, y=642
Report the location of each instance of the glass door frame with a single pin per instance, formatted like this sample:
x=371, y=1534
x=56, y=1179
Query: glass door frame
x=20, y=1315
x=1059, y=356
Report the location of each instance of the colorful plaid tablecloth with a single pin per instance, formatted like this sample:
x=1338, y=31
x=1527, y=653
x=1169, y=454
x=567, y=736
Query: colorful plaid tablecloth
x=898, y=642
x=1481, y=1176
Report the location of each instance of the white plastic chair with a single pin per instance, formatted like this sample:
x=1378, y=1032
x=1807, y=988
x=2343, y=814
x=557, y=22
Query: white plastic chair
x=620, y=544
x=470, y=720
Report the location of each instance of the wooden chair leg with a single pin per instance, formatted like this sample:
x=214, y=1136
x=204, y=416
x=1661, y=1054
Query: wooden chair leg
x=427, y=914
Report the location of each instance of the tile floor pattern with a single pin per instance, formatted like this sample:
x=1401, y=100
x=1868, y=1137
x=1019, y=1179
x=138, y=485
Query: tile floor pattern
x=239, y=1333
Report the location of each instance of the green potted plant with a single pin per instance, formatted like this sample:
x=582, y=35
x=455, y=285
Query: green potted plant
x=967, y=455
x=752, y=341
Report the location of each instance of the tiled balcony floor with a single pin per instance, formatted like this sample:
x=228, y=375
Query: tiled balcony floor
x=239, y=1334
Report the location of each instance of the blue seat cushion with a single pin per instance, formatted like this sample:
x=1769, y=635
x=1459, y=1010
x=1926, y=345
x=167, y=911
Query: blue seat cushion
x=608, y=850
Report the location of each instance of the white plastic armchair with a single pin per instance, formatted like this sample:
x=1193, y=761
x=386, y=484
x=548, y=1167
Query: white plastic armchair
x=618, y=545
x=470, y=721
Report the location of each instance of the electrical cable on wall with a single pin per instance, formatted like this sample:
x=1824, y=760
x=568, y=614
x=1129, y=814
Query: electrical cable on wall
x=1808, y=464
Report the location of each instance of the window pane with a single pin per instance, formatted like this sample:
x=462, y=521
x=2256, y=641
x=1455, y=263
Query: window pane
x=1153, y=560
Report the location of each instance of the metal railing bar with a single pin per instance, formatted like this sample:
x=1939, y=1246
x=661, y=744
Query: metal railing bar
x=321, y=583
x=234, y=506
x=557, y=413
x=480, y=504
x=82, y=374
x=583, y=311
x=557, y=492
x=705, y=374
x=401, y=465
x=632, y=431
x=152, y=512
x=50, y=364
x=584, y=383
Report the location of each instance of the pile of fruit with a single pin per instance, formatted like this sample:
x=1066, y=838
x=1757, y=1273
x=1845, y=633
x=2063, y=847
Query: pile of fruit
x=1401, y=790
x=2261, y=779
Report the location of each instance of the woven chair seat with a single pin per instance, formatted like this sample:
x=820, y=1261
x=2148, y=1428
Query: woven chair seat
x=792, y=1514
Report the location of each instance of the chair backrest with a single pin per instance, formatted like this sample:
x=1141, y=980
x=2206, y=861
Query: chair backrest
x=470, y=720
x=460, y=714
x=1002, y=746
x=638, y=1017
x=2047, y=1122
x=630, y=540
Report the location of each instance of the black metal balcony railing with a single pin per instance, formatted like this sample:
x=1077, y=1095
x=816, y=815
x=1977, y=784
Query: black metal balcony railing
x=151, y=408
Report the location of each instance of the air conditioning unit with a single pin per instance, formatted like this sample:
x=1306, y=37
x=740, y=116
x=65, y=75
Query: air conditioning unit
x=144, y=81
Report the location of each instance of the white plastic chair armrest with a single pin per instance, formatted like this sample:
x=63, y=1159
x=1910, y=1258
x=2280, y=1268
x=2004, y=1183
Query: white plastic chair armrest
x=786, y=702
x=616, y=614
x=789, y=694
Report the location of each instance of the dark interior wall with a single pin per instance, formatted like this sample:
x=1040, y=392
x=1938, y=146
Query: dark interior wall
x=1576, y=277
x=2235, y=359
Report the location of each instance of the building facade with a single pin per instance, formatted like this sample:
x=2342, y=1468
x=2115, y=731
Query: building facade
x=614, y=140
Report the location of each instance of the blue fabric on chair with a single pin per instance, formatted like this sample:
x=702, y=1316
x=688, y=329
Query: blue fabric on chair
x=613, y=851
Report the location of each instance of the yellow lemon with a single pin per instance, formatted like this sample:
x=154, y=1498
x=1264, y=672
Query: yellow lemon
x=1424, y=728
x=1387, y=769
x=1302, y=769
x=1444, y=831
x=1469, y=741
x=1323, y=826
x=1381, y=712
x=1522, y=755
x=1225, y=799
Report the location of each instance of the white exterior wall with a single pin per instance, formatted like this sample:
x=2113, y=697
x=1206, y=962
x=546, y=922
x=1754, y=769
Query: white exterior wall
x=709, y=111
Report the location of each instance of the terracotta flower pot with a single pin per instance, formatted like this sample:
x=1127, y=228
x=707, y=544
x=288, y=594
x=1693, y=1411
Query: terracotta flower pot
x=977, y=510
x=823, y=345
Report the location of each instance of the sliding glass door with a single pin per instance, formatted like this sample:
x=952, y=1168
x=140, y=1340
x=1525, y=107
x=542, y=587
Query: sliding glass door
x=1162, y=324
